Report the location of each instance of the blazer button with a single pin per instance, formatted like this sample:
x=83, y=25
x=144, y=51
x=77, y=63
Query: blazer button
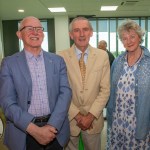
x=29, y=102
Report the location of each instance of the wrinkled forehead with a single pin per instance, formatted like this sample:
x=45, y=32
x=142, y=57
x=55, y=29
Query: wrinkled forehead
x=80, y=24
x=128, y=32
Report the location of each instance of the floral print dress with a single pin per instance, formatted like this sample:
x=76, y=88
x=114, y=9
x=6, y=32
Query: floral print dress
x=122, y=134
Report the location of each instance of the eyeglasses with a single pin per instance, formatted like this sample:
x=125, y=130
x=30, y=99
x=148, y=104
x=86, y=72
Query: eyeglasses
x=31, y=29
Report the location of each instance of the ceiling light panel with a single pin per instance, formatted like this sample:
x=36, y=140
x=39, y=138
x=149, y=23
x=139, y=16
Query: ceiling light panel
x=57, y=9
x=109, y=8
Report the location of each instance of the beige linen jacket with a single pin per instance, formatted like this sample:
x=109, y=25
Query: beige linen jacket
x=97, y=87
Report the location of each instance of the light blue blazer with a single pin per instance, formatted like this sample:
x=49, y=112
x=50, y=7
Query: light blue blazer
x=15, y=97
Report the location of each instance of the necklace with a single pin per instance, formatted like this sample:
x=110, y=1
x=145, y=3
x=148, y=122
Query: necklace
x=131, y=64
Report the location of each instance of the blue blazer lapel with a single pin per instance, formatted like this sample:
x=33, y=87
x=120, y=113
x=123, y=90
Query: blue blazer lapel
x=50, y=70
x=22, y=63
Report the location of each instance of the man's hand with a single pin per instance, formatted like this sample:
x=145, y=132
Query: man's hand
x=78, y=117
x=43, y=135
x=85, y=121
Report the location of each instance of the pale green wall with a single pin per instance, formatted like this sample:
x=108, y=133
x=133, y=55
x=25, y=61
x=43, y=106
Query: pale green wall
x=62, y=40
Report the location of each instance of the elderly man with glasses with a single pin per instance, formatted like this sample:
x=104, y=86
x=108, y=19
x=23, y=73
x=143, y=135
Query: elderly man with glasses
x=34, y=94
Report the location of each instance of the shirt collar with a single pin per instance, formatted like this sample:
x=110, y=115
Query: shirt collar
x=30, y=56
x=78, y=51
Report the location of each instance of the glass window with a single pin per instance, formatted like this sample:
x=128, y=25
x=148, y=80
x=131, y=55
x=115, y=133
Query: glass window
x=93, y=39
x=113, y=34
x=106, y=29
x=103, y=30
x=143, y=27
x=120, y=45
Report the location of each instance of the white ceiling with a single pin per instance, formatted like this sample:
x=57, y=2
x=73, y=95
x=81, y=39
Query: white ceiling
x=39, y=8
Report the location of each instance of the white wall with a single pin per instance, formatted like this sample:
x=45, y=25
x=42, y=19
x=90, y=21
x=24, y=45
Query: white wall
x=1, y=42
x=62, y=39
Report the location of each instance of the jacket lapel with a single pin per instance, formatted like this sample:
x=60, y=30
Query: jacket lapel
x=22, y=63
x=74, y=63
x=90, y=61
x=50, y=71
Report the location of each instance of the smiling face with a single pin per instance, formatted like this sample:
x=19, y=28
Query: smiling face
x=130, y=40
x=32, y=39
x=81, y=33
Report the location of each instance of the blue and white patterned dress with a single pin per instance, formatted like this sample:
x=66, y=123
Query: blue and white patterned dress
x=122, y=134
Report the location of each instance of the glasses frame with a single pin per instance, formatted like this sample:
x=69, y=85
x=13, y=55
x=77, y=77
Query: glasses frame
x=34, y=28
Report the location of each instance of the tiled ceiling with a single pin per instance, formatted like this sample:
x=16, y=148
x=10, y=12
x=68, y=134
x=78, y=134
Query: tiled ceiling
x=39, y=8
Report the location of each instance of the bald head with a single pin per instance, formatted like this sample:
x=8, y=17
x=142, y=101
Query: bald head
x=102, y=45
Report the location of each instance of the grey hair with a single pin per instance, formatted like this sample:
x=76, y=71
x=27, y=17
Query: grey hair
x=24, y=19
x=130, y=25
x=77, y=19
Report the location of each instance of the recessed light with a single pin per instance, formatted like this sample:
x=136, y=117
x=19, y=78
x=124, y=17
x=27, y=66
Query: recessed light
x=57, y=9
x=108, y=8
x=20, y=10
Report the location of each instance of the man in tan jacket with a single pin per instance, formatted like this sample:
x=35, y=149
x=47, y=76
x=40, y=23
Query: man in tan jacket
x=88, y=100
